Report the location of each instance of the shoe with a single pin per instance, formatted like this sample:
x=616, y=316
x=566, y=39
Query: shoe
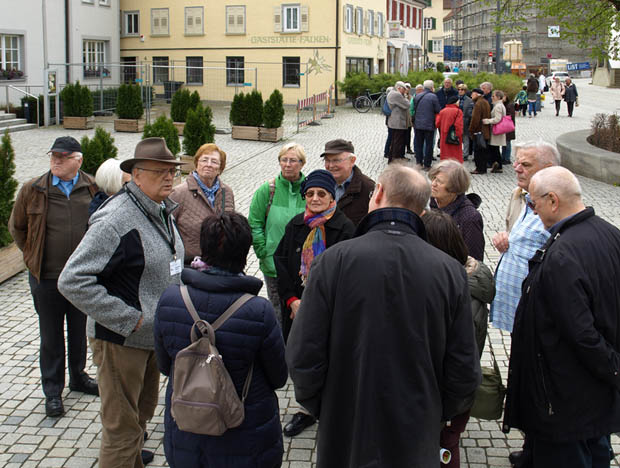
x=85, y=385
x=520, y=459
x=147, y=456
x=53, y=407
x=409, y=151
x=299, y=422
x=477, y=172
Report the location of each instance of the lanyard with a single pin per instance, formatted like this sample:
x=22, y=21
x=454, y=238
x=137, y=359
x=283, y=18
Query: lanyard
x=149, y=217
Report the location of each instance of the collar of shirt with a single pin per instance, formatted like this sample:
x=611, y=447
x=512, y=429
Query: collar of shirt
x=65, y=186
x=342, y=188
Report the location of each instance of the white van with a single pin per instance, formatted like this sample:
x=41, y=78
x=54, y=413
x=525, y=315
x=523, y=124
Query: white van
x=469, y=66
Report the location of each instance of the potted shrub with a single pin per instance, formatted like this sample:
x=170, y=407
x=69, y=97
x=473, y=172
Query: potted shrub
x=273, y=115
x=77, y=104
x=129, y=109
x=198, y=131
x=246, y=115
x=11, y=259
x=97, y=150
x=164, y=128
x=182, y=102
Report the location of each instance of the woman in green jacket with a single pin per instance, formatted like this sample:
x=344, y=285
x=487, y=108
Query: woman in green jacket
x=273, y=205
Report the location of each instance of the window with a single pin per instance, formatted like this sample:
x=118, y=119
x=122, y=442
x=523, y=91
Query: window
x=104, y=2
x=355, y=65
x=348, y=18
x=290, y=71
x=10, y=52
x=194, y=75
x=291, y=18
x=194, y=21
x=380, y=24
x=131, y=26
x=430, y=23
x=235, y=20
x=159, y=21
x=160, y=70
x=370, y=25
x=435, y=46
x=359, y=20
x=93, y=56
x=128, y=70
x=234, y=71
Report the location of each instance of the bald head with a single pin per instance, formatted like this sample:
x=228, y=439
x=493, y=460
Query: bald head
x=556, y=193
x=401, y=186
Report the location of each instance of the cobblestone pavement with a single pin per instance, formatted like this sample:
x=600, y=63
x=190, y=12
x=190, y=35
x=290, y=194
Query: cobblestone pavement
x=28, y=438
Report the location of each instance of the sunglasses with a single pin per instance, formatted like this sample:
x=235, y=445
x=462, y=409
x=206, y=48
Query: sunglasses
x=531, y=203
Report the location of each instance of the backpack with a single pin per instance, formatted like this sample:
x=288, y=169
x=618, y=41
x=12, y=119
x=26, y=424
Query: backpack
x=204, y=399
x=386, y=109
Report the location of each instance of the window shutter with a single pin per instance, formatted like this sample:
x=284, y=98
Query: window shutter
x=420, y=18
x=430, y=45
x=305, y=19
x=345, y=10
x=277, y=19
x=376, y=24
x=434, y=23
x=366, y=24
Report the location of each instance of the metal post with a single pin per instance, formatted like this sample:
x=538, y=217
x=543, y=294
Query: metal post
x=297, y=115
x=497, y=40
x=6, y=89
x=256, y=78
x=101, y=68
x=306, y=75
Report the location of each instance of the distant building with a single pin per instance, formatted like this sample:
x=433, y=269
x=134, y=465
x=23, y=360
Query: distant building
x=405, y=35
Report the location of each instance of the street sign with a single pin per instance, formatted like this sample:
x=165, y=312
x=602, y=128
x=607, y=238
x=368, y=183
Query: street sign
x=549, y=56
x=553, y=31
x=577, y=66
x=247, y=84
x=544, y=60
x=490, y=54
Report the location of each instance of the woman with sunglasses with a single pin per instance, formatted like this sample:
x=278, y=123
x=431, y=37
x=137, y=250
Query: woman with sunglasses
x=306, y=236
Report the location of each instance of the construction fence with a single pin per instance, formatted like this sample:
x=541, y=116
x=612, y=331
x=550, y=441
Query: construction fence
x=311, y=109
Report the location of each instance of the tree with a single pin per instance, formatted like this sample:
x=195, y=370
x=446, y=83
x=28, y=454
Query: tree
x=273, y=111
x=254, y=103
x=587, y=24
x=164, y=128
x=238, y=110
x=129, y=102
x=198, y=129
x=8, y=186
x=77, y=100
x=97, y=150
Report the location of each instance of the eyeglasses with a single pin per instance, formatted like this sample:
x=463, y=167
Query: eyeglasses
x=211, y=161
x=289, y=160
x=372, y=192
x=532, y=203
x=335, y=161
x=310, y=193
x=160, y=172
x=461, y=89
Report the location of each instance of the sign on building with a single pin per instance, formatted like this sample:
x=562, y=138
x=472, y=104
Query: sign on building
x=394, y=30
x=553, y=31
x=578, y=66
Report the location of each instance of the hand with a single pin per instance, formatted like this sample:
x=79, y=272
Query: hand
x=139, y=324
x=500, y=241
x=294, y=308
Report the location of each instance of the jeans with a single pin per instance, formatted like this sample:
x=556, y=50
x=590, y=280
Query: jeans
x=570, y=106
x=590, y=453
x=388, y=144
x=424, y=147
x=531, y=107
x=466, y=142
x=506, y=150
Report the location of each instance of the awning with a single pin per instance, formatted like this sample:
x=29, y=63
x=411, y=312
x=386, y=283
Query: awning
x=414, y=46
x=391, y=44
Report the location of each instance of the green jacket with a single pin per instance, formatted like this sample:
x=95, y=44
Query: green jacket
x=266, y=234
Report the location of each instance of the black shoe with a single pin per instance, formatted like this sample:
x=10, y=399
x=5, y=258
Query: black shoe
x=520, y=459
x=409, y=151
x=147, y=456
x=85, y=385
x=299, y=422
x=53, y=407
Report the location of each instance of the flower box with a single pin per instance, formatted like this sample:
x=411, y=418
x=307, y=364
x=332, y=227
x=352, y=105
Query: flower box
x=78, y=123
x=129, y=125
x=11, y=262
x=240, y=132
x=270, y=134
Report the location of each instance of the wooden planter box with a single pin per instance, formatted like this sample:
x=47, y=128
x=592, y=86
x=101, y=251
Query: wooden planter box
x=129, y=125
x=271, y=134
x=78, y=123
x=245, y=133
x=11, y=262
x=180, y=127
x=188, y=164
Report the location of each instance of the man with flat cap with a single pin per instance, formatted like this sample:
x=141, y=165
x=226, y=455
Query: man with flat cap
x=353, y=188
x=48, y=221
x=130, y=254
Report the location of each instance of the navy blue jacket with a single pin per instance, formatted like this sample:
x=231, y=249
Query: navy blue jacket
x=443, y=94
x=251, y=334
x=426, y=106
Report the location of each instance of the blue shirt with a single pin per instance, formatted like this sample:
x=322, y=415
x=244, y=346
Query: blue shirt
x=65, y=186
x=342, y=188
x=526, y=236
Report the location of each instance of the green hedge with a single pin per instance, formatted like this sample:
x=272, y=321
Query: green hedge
x=8, y=186
x=97, y=150
x=198, y=129
x=129, y=102
x=273, y=111
x=164, y=128
x=77, y=100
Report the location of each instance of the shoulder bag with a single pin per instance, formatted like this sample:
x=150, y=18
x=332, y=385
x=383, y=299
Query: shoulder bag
x=451, y=137
x=506, y=125
x=489, y=400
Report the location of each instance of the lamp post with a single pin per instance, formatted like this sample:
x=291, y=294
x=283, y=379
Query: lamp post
x=497, y=39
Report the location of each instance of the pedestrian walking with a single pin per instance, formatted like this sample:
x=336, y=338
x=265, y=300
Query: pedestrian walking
x=450, y=116
x=557, y=92
x=496, y=141
x=532, y=95
x=521, y=99
x=571, y=96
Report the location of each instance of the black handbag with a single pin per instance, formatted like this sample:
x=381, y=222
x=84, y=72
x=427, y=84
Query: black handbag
x=481, y=143
x=489, y=400
x=451, y=137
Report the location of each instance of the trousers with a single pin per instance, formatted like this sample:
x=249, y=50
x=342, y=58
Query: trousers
x=590, y=453
x=423, y=142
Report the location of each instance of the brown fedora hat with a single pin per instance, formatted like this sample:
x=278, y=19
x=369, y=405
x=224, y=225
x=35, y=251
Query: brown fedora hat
x=150, y=149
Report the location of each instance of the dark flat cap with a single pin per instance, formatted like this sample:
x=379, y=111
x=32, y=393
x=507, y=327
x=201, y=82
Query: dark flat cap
x=452, y=100
x=150, y=149
x=338, y=146
x=65, y=144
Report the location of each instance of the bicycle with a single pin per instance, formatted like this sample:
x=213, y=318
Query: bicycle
x=367, y=101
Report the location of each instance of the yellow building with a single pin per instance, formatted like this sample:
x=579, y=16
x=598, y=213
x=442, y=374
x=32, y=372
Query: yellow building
x=222, y=47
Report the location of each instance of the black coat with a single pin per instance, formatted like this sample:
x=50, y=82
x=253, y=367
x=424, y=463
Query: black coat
x=444, y=94
x=251, y=335
x=354, y=202
x=563, y=382
x=382, y=348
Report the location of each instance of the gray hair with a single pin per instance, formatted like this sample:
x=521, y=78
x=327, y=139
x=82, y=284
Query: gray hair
x=458, y=177
x=429, y=84
x=546, y=153
x=558, y=180
x=390, y=88
x=399, y=84
x=487, y=84
x=405, y=187
x=109, y=176
x=419, y=86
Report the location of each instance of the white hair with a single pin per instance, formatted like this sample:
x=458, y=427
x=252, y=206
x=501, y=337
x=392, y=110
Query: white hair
x=109, y=176
x=399, y=84
x=429, y=84
x=559, y=180
x=546, y=153
x=419, y=86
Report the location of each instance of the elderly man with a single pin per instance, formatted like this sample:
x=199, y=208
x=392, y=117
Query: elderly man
x=481, y=111
x=353, y=188
x=397, y=120
x=377, y=360
x=487, y=90
x=426, y=107
x=48, y=221
x=467, y=107
x=131, y=252
x=563, y=382
x=445, y=92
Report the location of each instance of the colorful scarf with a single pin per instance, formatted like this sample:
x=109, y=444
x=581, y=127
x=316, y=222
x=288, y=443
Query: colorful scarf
x=209, y=192
x=314, y=244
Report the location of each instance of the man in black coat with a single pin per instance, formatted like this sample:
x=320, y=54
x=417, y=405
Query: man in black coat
x=445, y=92
x=382, y=348
x=563, y=383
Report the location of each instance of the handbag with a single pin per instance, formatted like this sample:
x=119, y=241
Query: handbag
x=506, y=125
x=481, y=143
x=451, y=137
x=489, y=399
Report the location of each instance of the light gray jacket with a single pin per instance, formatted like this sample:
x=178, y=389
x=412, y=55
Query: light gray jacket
x=122, y=266
x=399, y=105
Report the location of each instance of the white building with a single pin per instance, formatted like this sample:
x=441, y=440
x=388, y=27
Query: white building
x=405, y=34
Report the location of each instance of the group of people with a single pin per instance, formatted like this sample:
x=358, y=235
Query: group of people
x=529, y=98
x=377, y=301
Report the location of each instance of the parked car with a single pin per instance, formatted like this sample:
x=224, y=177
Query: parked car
x=562, y=75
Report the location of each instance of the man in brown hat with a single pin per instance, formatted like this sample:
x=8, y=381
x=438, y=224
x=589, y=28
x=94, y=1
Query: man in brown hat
x=48, y=221
x=130, y=254
x=353, y=188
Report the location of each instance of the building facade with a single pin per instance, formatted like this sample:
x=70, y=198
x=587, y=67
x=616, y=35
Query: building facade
x=405, y=35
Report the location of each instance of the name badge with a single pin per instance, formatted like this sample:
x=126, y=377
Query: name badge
x=176, y=266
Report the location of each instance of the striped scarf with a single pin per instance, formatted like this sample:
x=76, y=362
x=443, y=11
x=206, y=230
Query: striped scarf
x=315, y=242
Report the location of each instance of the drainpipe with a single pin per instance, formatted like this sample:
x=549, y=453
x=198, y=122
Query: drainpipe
x=44, y=27
x=336, y=51
x=67, y=42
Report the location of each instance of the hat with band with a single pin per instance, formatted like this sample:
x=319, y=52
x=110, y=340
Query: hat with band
x=150, y=149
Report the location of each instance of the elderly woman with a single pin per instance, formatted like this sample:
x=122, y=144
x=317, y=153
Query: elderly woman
x=202, y=194
x=110, y=179
x=273, y=205
x=497, y=114
x=448, y=116
x=251, y=336
x=557, y=92
x=449, y=182
x=307, y=235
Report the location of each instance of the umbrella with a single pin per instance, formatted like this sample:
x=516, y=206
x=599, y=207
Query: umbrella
x=403, y=64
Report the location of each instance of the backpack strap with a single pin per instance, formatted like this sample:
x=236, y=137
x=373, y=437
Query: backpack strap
x=272, y=192
x=231, y=310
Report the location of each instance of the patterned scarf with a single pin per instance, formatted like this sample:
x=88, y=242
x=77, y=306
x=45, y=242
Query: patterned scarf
x=315, y=242
x=209, y=192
